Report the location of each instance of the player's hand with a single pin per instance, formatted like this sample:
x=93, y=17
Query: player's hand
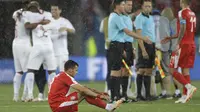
x=165, y=40
x=147, y=40
x=103, y=97
x=145, y=55
x=104, y=93
x=124, y=54
x=62, y=29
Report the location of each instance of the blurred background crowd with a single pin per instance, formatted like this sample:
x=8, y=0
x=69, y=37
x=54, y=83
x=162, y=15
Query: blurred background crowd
x=85, y=15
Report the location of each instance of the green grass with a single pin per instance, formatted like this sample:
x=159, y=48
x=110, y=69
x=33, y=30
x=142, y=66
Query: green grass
x=7, y=105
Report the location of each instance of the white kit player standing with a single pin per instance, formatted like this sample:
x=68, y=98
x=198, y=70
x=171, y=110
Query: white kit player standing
x=42, y=51
x=21, y=50
x=59, y=27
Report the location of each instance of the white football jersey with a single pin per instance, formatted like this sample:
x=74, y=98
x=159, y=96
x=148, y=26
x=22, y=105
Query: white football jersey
x=39, y=35
x=59, y=38
x=22, y=35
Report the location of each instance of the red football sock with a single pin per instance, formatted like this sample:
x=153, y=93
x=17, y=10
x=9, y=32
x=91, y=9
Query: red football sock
x=96, y=101
x=180, y=78
x=187, y=77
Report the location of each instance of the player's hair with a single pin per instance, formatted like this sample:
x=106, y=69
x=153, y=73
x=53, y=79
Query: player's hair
x=56, y=5
x=143, y=1
x=187, y=2
x=70, y=64
x=116, y=2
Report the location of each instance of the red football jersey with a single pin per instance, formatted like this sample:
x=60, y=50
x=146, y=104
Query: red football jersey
x=186, y=16
x=59, y=88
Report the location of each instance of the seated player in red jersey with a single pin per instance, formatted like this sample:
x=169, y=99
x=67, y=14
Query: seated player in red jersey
x=61, y=100
x=184, y=56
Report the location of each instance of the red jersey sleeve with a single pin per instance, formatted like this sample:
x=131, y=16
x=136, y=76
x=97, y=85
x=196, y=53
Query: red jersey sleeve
x=182, y=16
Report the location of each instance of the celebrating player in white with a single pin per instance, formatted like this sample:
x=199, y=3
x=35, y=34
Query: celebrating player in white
x=21, y=49
x=42, y=51
x=59, y=27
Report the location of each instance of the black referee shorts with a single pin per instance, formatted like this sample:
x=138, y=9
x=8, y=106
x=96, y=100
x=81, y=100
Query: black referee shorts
x=129, y=53
x=116, y=52
x=146, y=63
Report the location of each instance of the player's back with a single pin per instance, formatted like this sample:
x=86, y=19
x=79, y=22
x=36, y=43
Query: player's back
x=189, y=18
x=39, y=36
x=21, y=33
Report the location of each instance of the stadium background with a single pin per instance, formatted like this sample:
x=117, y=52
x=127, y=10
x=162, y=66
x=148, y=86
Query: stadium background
x=87, y=45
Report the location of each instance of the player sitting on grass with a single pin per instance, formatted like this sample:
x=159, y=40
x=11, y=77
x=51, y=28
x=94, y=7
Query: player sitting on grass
x=61, y=100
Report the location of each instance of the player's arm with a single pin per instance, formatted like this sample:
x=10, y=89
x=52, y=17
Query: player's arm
x=101, y=26
x=141, y=45
x=182, y=31
x=86, y=91
x=68, y=27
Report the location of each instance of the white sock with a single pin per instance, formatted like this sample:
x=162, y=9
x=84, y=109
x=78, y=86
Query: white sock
x=50, y=78
x=17, y=83
x=188, y=86
x=109, y=107
x=129, y=83
x=29, y=81
x=25, y=91
x=164, y=92
x=177, y=91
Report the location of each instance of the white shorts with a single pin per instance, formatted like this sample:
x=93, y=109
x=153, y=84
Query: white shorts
x=21, y=54
x=42, y=54
x=60, y=61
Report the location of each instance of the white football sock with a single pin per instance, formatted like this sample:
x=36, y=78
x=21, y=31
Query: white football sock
x=177, y=91
x=17, y=83
x=164, y=92
x=50, y=78
x=29, y=80
x=188, y=86
x=109, y=107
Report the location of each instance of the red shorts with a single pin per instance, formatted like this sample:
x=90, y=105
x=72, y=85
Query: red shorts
x=184, y=57
x=70, y=104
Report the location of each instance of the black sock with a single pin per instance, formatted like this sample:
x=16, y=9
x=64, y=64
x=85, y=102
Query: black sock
x=117, y=88
x=113, y=85
x=40, y=79
x=147, y=85
x=124, y=83
x=139, y=81
x=108, y=81
x=176, y=87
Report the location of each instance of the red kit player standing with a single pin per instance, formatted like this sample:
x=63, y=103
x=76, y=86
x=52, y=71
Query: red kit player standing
x=184, y=56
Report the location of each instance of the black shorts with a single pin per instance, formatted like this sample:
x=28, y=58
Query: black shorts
x=146, y=63
x=116, y=52
x=128, y=48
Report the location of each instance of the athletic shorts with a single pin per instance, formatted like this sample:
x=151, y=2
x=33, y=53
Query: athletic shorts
x=21, y=54
x=116, y=51
x=146, y=63
x=60, y=61
x=184, y=57
x=128, y=48
x=42, y=54
x=69, y=104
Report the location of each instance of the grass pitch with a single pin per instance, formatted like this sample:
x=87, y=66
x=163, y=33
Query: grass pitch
x=7, y=105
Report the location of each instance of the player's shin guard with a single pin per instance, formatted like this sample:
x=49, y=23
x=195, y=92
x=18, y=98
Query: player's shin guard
x=147, y=85
x=17, y=83
x=139, y=81
x=30, y=84
x=96, y=101
x=124, y=83
x=179, y=77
